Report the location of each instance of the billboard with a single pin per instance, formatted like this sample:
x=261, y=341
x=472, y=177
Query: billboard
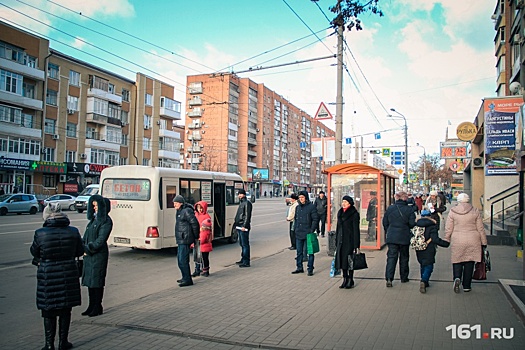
x=500, y=135
x=260, y=174
x=453, y=149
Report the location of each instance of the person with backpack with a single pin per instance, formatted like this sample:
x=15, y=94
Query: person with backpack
x=424, y=242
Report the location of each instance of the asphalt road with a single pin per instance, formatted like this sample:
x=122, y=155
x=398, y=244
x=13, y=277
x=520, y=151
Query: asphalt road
x=132, y=274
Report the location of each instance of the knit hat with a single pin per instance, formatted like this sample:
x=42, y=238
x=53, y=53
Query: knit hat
x=433, y=193
x=304, y=194
x=294, y=196
x=242, y=191
x=425, y=212
x=463, y=198
x=348, y=199
x=179, y=199
x=52, y=210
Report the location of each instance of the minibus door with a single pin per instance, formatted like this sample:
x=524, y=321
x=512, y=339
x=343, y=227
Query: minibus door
x=168, y=212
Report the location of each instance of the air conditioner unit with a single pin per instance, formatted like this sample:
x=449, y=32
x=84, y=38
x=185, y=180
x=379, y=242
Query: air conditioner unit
x=203, y=123
x=56, y=137
x=158, y=122
x=63, y=178
x=146, y=127
x=70, y=111
x=203, y=131
x=83, y=156
x=478, y=162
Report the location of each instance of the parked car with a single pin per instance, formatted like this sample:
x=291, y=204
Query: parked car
x=250, y=196
x=83, y=198
x=66, y=201
x=18, y=203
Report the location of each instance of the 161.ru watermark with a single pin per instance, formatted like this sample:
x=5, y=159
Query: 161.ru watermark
x=466, y=331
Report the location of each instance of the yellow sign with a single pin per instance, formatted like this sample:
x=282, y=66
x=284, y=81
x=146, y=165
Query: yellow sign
x=466, y=131
x=400, y=171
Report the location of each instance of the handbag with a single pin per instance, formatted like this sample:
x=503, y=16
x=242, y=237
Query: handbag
x=360, y=261
x=480, y=271
x=312, y=243
x=80, y=266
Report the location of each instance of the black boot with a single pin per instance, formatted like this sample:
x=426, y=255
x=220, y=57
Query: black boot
x=91, y=304
x=345, y=280
x=350, y=282
x=63, y=331
x=50, y=329
x=97, y=302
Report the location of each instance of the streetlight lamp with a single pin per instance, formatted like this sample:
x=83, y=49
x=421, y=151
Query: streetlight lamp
x=406, y=138
x=424, y=166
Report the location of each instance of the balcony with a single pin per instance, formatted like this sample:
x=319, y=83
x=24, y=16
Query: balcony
x=169, y=133
x=196, y=137
x=24, y=70
x=252, y=141
x=105, y=95
x=252, y=153
x=169, y=108
x=20, y=101
x=102, y=144
x=195, y=101
x=18, y=130
x=194, y=126
x=193, y=160
x=252, y=165
x=196, y=112
x=96, y=118
x=195, y=88
x=196, y=148
x=169, y=154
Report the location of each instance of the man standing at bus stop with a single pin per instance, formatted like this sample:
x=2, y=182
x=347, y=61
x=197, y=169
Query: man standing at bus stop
x=243, y=220
x=186, y=233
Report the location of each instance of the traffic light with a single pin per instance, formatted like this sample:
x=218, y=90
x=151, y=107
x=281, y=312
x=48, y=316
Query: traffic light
x=405, y=178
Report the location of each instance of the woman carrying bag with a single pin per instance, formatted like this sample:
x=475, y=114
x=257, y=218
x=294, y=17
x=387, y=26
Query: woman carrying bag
x=347, y=240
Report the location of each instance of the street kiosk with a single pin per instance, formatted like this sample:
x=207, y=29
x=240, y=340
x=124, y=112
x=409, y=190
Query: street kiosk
x=372, y=191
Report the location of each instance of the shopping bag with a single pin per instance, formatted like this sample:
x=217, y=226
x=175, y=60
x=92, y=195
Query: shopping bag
x=333, y=271
x=312, y=244
x=360, y=261
x=480, y=271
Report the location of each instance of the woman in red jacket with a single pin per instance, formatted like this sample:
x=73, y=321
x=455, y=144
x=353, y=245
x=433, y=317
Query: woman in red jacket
x=205, y=239
x=201, y=212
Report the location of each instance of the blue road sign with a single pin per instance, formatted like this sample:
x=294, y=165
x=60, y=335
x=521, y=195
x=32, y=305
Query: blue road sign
x=302, y=144
x=348, y=140
x=377, y=136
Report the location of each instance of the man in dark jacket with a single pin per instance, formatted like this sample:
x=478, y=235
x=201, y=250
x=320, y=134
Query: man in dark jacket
x=399, y=218
x=186, y=233
x=243, y=220
x=54, y=248
x=306, y=219
x=321, y=204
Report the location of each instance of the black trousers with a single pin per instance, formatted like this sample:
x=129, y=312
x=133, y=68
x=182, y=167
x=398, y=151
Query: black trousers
x=395, y=252
x=292, y=235
x=322, y=223
x=464, y=271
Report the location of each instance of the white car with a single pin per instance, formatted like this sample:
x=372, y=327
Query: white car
x=66, y=201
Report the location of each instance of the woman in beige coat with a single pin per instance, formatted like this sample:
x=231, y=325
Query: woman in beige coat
x=464, y=230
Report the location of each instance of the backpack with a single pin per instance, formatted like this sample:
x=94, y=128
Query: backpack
x=418, y=241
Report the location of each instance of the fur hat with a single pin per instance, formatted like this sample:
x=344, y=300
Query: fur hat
x=50, y=210
x=348, y=199
x=433, y=193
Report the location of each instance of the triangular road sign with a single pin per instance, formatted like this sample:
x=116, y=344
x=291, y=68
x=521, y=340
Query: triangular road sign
x=323, y=112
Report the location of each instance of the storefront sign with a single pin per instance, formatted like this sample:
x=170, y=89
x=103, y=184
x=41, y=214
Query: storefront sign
x=466, y=131
x=49, y=167
x=17, y=164
x=85, y=168
x=452, y=149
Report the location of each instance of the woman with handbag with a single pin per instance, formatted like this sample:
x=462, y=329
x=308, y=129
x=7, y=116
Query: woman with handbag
x=464, y=230
x=347, y=240
x=54, y=248
x=96, y=252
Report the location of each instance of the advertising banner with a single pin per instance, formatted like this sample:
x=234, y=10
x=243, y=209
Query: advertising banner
x=453, y=149
x=260, y=174
x=500, y=135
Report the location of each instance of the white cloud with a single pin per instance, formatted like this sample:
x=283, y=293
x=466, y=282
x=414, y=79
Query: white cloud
x=104, y=8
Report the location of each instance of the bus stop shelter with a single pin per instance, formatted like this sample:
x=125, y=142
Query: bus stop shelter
x=372, y=191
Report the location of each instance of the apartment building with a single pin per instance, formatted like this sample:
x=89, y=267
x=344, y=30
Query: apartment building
x=63, y=120
x=236, y=125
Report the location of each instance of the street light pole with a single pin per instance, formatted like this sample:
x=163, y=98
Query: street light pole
x=406, y=139
x=424, y=167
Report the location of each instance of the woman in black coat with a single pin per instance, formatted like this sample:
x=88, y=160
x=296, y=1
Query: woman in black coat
x=347, y=240
x=427, y=257
x=54, y=249
x=96, y=252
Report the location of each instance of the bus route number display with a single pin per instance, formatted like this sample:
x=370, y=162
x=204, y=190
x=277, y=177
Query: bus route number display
x=134, y=189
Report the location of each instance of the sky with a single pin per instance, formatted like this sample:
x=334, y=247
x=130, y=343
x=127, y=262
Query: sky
x=432, y=61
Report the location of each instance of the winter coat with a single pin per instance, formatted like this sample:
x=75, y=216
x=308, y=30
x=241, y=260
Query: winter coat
x=371, y=211
x=321, y=204
x=464, y=230
x=291, y=214
x=399, y=218
x=186, y=225
x=55, y=247
x=347, y=237
x=428, y=256
x=95, y=243
x=419, y=203
x=243, y=217
x=201, y=217
x=306, y=219
x=206, y=236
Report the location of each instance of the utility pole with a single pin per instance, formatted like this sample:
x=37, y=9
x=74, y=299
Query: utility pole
x=339, y=97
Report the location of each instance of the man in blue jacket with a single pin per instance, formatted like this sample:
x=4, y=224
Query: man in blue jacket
x=186, y=233
x=306, y=221
x=399, y=218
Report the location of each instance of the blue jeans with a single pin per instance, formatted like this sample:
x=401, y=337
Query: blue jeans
x=244, y=242
x=395, y=252
x=183, y=259
x=301, y=244
x=426, y=271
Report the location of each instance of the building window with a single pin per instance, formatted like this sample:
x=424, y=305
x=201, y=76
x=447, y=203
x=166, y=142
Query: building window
x=111, y=88
x=71, y=130
x=74, y=78
x=113, y=111
x=91, y=133
x=10, y=115
x=124, y=140
x=98, y=83
x=145, y=161
x=125, y=95
x=123, y=161
x=71, y=156
x=124, y=117
x=146, y=143
x=149, y=100
x=114, y=135
x=100, y=106
x=48, y=155
x=11, y=82
x=147, y=121
x=49, y=181
x=11, y=52
x=72, y=103
x=52, y=97
x=52, y=71
x=27, y=120
x=49, y=126
x=28, y=90
x=31, y=61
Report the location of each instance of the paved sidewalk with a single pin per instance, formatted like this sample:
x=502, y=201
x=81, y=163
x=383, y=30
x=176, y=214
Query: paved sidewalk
x=266, y=307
